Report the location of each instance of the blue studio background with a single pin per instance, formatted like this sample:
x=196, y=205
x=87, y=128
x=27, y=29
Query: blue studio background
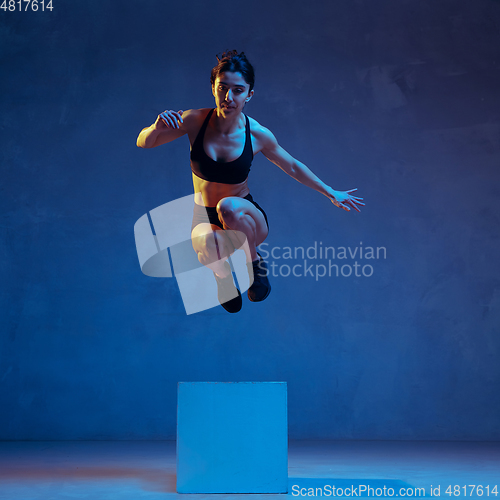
x=398, y=98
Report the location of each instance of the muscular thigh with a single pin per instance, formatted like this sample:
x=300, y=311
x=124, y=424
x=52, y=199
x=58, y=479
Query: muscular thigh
x=245, y=207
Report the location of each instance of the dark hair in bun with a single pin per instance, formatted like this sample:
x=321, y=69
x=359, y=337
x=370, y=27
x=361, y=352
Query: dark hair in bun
x=230, y=60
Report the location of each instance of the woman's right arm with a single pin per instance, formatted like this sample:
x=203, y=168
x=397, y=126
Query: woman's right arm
x=168, y=126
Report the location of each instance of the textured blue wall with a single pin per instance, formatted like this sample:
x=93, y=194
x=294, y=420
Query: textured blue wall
x=397, y=98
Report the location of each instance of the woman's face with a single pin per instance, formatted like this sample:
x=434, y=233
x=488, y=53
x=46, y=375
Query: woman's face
x=231, y=92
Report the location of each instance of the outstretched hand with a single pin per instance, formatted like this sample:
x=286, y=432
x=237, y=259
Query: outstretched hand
x=169, y=119
x=344, y=199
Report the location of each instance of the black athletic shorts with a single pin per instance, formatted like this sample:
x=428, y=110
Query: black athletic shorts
x=200, y=213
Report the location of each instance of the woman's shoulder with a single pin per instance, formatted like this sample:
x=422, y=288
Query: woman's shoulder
x=262, y=134
x=193, y=118
x=195, y=114
x=256, y=128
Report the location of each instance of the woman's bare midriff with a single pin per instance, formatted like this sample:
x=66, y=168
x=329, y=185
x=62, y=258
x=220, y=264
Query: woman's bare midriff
x=208, y=194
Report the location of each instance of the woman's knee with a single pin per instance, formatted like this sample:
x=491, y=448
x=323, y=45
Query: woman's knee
x=230, y=211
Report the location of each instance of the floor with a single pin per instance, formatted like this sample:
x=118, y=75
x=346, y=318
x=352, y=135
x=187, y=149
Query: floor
x=136, y=470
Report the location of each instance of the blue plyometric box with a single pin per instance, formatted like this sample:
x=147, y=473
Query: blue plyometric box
x=232, y=437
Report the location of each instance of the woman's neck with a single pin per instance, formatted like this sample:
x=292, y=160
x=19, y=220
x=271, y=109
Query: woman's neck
x=229, y=124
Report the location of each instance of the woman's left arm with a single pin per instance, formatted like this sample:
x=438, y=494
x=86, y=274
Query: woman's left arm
x=296, y=169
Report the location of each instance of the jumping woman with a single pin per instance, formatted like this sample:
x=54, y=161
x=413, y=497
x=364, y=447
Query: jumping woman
x=223, y=143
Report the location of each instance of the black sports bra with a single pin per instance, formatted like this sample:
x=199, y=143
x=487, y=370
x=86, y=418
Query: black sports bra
x=229, y=172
